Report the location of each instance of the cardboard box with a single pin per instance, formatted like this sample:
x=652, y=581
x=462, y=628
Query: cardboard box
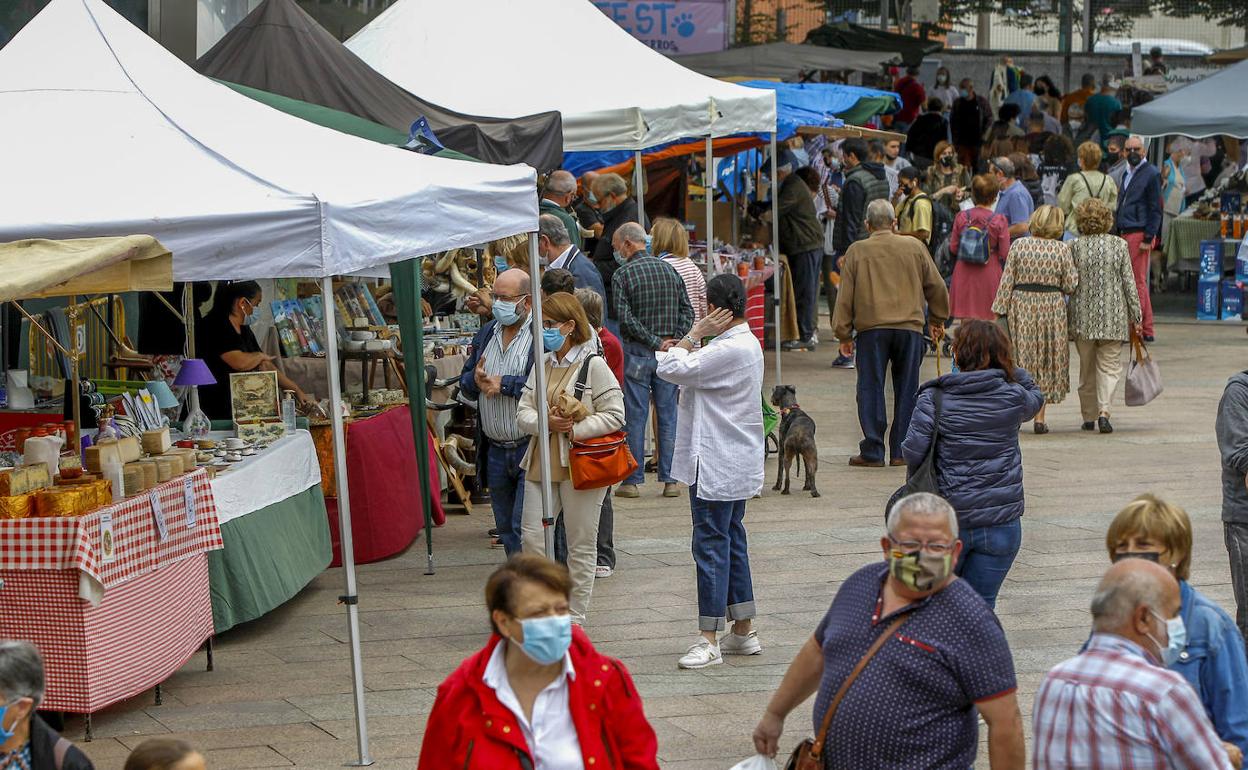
x=1208, y=303
x=1232, y=303
x=1211, y=258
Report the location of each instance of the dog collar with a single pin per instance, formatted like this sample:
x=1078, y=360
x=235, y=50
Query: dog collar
x=788, y=409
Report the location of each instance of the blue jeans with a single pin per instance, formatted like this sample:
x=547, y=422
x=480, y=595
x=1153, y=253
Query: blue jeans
x=806, y=267
x=878, y=351
x=505, y=480
x=641, y=383
x=722, y=556
x=987, y=554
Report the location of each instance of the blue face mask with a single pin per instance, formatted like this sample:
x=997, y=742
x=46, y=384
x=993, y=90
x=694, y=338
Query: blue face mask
x=964, y=93
x=546, y=640
x=593, y=199
x=505, y=312
x=1178, y=639
x=500, y=264
x=249, y=318
x=5, y=735
x=620, y=259
x=552, y=340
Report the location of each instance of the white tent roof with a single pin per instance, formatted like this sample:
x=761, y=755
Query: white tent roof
x=493, y=57
x=106, y=133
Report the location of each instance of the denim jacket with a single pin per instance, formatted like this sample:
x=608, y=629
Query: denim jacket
x=1214, y=663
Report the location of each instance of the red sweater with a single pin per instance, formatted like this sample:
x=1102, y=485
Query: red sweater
x=469, y=728
x=613, y=351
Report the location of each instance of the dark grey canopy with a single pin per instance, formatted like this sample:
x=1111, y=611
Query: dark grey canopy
x=1209, y=107
x=281, y=49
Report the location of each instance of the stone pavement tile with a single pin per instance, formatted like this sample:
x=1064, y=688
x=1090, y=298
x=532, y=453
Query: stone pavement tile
x=252, y=756
x=242, y=737
x=238, y=693
x=345, y=751
x=378, y=726
x=223, y=716
x=105, y=752
x=679, y=705
x=118, y=720
x=380, y=703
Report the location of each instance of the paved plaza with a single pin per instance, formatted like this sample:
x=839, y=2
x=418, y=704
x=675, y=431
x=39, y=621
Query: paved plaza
x=280, y=693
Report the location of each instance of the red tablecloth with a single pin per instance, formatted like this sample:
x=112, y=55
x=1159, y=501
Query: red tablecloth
x=154, y=607
x=386, y=512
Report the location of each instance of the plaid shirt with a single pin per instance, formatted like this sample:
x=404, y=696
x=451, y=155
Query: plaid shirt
x=1111, y=708
x=650, y=301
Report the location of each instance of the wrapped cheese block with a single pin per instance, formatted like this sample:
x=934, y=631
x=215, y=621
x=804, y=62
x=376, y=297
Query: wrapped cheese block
x=17, y=506
x=130, y=449
x=103, y=490
x=156, y=441
x=98, y=454
x=166, y=467
x=63, y=501
x=132, y=477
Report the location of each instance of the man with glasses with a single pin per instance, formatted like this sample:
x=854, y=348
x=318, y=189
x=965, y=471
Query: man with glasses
x=1115, y=706
x=494, y=375
x=1015, y=203
x=1138, y=221
x=944, y=658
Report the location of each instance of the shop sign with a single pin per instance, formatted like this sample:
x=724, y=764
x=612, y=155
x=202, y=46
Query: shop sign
x=674, y=27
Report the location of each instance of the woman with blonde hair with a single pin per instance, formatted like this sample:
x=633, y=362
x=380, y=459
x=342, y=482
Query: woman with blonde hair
x=1087, y=182
x=584, y=401
x=947, y=180
x=1038, y=273
x=670, y=242
x=1211, y=656
x=1103, y=311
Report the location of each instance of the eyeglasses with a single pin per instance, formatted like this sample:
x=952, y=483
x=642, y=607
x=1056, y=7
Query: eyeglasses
x=499, y=297
x=910, y=546
x=549, y=324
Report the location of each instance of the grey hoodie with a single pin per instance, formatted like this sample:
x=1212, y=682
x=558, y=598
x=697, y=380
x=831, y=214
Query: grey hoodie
x=1232, y=430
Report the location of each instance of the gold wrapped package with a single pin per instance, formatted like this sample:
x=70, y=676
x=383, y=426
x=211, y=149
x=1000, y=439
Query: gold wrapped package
x=64, y=501
x=17, y=506
x=102, y=490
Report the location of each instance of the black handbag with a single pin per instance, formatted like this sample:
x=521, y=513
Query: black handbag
x=923, y=478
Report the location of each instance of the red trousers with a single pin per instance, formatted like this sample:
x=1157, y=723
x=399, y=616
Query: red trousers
x=1140, y=266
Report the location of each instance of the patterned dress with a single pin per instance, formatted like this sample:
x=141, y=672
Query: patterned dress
x=1037, y=319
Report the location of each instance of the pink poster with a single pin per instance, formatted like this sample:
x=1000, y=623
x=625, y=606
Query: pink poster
x=673, y=27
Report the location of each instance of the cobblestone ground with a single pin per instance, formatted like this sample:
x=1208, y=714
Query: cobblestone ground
x=280, y=692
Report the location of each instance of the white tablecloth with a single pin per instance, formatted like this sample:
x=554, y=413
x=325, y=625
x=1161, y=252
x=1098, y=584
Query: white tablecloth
x=286, y=468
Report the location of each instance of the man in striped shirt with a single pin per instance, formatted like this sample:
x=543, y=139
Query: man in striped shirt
x=1114, y=706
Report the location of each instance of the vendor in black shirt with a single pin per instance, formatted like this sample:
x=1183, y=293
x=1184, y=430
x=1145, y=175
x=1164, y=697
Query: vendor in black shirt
x=226, y=343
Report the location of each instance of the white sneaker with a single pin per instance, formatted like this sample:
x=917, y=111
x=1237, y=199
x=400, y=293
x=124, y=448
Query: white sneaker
x=603, y=571
x=731, y=644
x=701, y=655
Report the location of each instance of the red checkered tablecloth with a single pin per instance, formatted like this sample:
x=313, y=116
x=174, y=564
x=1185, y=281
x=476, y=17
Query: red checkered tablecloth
x=76, y=542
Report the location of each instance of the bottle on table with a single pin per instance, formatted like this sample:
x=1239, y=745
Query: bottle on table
x=288, y=412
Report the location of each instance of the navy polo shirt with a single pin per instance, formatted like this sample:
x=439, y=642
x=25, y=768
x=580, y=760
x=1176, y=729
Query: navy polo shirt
x=913, y=705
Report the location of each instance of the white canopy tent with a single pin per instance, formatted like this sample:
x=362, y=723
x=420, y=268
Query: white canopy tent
x=106, y=133
x=632, y=98
x=486, y=57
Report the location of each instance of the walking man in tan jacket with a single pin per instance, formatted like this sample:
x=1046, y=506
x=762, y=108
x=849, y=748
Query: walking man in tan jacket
x=886, y=280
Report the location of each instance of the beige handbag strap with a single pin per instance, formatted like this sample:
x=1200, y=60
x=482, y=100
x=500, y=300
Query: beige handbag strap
x=1137, y=345
x=816, y=750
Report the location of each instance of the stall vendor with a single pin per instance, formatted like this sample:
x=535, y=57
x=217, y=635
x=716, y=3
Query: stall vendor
x=226, y=343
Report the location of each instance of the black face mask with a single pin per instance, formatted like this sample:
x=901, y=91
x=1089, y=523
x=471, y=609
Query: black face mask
x=947, y=161
x=1113, y=156
x=1134, y=158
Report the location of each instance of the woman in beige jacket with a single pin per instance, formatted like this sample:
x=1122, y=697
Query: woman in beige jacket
x=571, y=350
x=1087, y=182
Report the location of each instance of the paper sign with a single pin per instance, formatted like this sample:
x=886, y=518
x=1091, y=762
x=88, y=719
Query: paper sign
x=158, y=512
x=671, y=27
x=188, y=494
x=108, y=550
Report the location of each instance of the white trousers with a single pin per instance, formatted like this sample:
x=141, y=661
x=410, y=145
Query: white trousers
x=580, y=518
x=1100, y=366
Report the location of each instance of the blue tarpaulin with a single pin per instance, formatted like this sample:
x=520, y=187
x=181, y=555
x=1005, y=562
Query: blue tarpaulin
x=797, y=104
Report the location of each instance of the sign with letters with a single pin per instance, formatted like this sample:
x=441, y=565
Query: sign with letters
x=673, y=27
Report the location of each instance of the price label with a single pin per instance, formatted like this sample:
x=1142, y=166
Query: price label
x=158, y=512
x=108, y=546
x=188, y=494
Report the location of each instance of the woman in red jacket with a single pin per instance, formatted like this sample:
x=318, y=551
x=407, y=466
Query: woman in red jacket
x=538, y=695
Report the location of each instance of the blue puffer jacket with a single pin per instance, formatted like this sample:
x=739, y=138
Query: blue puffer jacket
x=978, y=461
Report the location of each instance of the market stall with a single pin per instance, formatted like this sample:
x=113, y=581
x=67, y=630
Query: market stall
x=109, y=581
x=233, y=188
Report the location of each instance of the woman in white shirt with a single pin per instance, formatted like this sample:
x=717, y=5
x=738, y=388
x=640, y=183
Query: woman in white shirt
x=719, y=454
x=584, y=401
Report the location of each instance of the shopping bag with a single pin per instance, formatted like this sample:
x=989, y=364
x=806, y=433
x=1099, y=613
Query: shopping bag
x=756, y=762
x=1143, y=375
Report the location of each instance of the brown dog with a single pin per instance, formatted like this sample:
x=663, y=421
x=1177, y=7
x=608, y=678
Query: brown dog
x=797, y=440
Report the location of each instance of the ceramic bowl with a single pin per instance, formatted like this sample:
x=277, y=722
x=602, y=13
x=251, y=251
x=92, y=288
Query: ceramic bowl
x=363, y=335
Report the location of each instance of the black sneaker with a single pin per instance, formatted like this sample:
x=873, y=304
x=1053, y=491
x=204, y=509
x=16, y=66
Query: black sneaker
x=1088, y=426
x=1102, y=424
x=492, y=533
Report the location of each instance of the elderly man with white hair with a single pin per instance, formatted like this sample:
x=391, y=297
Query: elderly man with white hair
x=886, y=282
x=906, y=657
x=26, y=741
x=654, y=314
x=557, y=199
x=1115, y=706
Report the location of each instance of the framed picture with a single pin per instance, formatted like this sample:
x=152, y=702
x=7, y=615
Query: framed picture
x=255, y=396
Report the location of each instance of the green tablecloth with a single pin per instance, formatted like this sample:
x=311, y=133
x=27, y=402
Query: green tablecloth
x=1182, y=245
x=269, y=556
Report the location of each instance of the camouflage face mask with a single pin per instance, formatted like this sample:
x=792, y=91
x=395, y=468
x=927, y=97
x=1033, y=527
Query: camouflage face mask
x=919, y=570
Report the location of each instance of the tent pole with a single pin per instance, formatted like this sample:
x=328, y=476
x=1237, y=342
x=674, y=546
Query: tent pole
x=710, y=199
x=405, y=277
x=639, y=184
x=539, y=391
x=778, y=283
x=350, y=599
